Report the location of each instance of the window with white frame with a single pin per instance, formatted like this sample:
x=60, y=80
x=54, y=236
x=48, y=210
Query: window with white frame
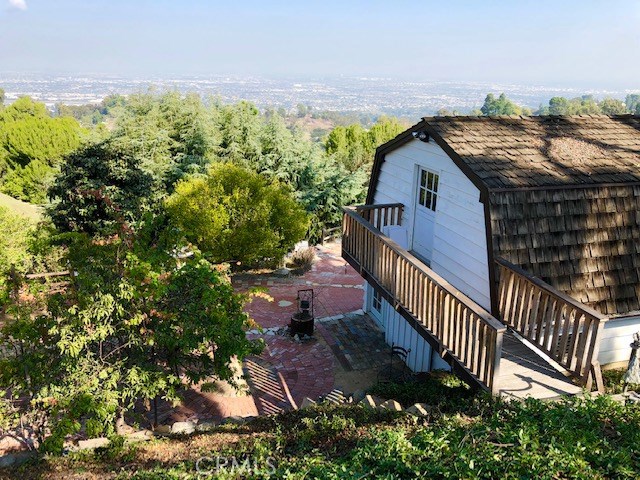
x=428, y=189
x=376, y=302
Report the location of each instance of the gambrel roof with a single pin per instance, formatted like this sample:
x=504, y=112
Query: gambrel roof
x=515, y=152
x=562, y=196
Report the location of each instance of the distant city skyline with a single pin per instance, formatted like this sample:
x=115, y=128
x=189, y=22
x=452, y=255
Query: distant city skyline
x=585, y=44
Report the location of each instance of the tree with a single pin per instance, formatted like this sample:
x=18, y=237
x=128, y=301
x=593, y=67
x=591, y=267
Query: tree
x=17, y=233
x=240, y=127
x=2, y=97
x=32, y=146
x=236, y=215
x=29, y=183
x=558, y=106
x=172, y=135
x=354, y=147
x=302, y=109
x=131, y=328
x=325, y=187
x=501, y=106
x=632, y=103
x=98, y=189
x=612, y=106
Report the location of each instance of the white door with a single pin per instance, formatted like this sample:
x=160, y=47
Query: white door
x=426, y=203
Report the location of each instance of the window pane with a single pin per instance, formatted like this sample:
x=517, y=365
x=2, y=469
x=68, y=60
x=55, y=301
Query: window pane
x=430, y=181
x=433, y=206
x=422, y=199
x=435, y=182
x=423, y=178
x=428, y=201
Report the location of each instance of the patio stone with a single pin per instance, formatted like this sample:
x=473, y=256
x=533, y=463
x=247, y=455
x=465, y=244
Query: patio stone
x=419, y=409
x=183, y=428
x=369, y=401
x=392, y=405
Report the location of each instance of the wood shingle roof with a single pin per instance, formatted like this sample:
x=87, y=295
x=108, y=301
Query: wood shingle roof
x=583, y=241
x=520, y=152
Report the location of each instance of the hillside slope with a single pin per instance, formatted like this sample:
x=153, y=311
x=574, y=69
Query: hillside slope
x=462, y=437
x=28, y=210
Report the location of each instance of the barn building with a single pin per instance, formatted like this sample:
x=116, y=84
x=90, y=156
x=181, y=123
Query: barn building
x=505, y=248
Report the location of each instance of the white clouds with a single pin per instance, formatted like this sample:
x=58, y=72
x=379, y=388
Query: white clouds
x=19, y=4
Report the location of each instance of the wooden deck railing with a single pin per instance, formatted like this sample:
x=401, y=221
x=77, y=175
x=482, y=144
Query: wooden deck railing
x=563, y=328
x=464, y=329
x=381, y=215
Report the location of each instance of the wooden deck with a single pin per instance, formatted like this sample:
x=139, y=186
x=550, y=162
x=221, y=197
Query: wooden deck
x=540, y=341
x=523, y=373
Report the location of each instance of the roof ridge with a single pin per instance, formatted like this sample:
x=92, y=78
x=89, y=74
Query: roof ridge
x=532, y=117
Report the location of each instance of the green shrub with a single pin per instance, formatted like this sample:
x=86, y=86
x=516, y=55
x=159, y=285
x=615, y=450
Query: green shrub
x=235, y=215
x=438, y=388
x=614, y=381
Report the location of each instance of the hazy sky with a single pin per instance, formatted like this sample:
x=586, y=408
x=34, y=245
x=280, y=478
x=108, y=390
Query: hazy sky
x=561, y=42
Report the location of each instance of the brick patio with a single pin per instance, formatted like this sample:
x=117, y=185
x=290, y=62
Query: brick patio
x=346, y=350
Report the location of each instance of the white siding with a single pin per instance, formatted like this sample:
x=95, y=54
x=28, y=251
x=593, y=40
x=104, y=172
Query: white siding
x=617, y=336
x=397, y=331
x=459, y=244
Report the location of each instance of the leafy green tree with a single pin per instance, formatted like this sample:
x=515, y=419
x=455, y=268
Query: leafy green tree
x=236, y=215
x=24, y=107
x=303, y=110
x=14, y=241
x=281, y=151
x=585, y=105
x=612, y=106
x=501, y=106
x=325, y=187
x=30, y=183
x=559, y=106
x=98, y=189
x=130, y=329
x=354, y=147
x=172, y=135
x=32, y=146
x=240, y=126
x=632, y=102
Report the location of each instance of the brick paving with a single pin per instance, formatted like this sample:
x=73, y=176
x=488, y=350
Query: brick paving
x=287, y=371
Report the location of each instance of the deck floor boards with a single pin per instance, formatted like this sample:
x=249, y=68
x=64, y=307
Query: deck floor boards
x=524, y=373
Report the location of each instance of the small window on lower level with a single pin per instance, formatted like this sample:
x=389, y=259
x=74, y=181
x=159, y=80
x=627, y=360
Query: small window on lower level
x=428, y=189
x=376, y=304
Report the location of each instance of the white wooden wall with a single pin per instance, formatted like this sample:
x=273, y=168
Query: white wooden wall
x=459, y=244
x=617, y=335
x=397, y=331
